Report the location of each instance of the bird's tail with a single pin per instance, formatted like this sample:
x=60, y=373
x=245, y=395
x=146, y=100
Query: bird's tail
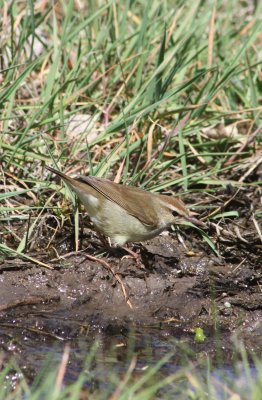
x=65, y=177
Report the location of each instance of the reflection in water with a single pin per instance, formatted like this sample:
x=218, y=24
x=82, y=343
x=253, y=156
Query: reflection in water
x=106, y=353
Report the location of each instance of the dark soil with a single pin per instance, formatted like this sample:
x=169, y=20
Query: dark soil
x=180, y=284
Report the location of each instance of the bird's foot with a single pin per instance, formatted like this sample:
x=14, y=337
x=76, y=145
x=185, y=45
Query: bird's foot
x=133, y=255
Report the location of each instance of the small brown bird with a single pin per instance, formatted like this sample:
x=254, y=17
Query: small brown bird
x=126, y=213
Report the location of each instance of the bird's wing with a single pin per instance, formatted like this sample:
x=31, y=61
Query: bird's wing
x=130, y=198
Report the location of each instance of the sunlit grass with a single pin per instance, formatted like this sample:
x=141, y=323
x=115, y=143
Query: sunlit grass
x=124, y=89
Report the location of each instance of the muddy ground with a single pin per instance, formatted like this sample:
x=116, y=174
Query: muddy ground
x=178, y=285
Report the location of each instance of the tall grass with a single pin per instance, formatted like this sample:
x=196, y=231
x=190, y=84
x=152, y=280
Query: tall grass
x=126, y=90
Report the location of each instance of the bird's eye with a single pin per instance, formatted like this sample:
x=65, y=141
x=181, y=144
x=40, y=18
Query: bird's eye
x=175, y=213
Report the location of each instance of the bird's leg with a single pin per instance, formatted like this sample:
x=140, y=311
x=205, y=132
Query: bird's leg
x=111, y=249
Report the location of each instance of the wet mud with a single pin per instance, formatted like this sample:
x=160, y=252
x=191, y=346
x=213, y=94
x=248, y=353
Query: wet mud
x=179, y=283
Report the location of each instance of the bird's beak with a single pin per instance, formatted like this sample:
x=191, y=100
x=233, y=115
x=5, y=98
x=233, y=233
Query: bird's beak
x=194, y=220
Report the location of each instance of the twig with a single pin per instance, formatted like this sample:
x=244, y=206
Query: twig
x=257, y=227
x=105, y=265
x=249, y=140
x=62, y=368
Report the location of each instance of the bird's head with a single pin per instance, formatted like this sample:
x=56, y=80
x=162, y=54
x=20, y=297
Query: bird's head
x=174, y=212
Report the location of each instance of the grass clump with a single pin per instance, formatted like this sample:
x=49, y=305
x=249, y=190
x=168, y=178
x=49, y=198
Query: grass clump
x=165, y=97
